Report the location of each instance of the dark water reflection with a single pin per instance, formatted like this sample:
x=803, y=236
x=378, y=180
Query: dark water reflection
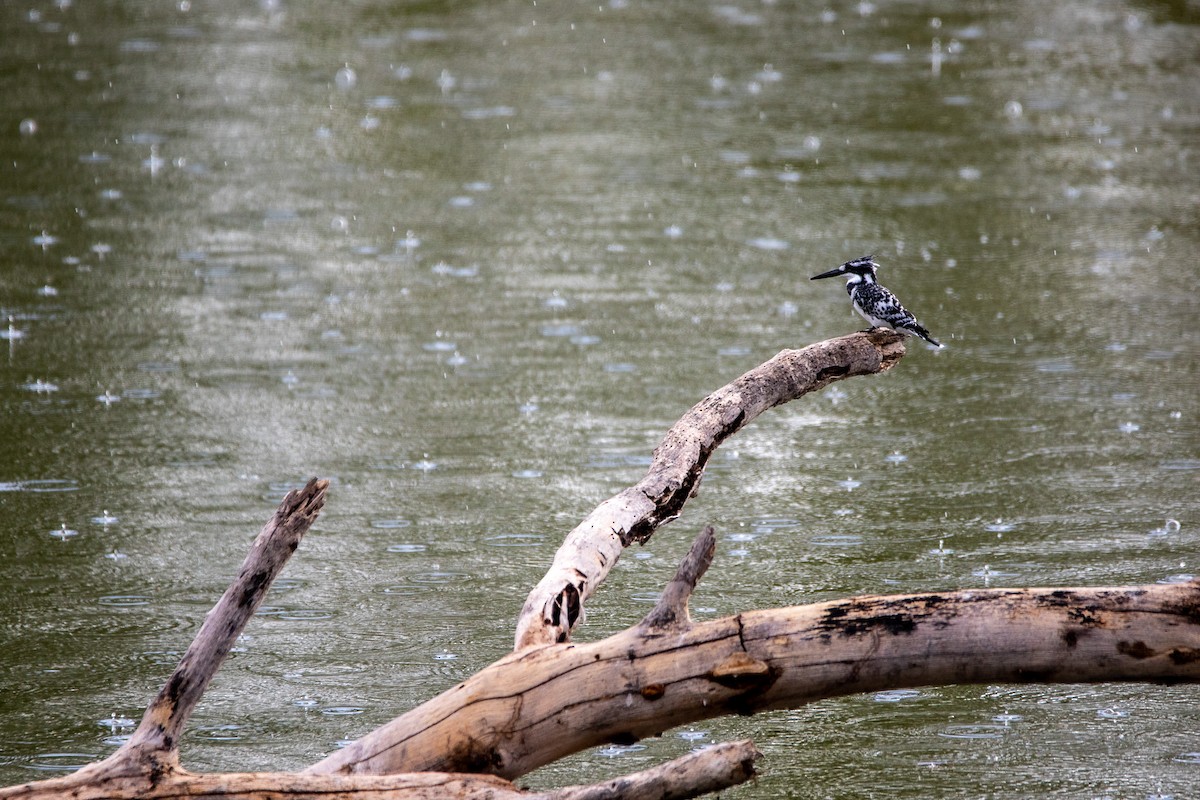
x=470, y=260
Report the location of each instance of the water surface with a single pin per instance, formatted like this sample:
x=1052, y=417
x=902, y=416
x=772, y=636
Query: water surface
x=469, y=261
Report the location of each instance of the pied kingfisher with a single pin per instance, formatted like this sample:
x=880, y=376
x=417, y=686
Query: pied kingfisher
x=876, y=304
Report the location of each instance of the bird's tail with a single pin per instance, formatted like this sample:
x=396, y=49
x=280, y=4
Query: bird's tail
x=919, y=330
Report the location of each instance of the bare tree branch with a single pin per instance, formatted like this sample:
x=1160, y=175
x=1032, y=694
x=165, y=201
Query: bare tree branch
x=153, y=747
x=583, y=560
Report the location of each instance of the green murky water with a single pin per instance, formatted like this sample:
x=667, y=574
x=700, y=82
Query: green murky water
x=469, y=261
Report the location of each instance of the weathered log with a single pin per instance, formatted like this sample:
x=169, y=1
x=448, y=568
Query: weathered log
x=590, y=550
x=539, y=704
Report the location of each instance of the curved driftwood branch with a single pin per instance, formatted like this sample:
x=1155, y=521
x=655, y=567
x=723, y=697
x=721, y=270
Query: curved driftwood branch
x=583, y=560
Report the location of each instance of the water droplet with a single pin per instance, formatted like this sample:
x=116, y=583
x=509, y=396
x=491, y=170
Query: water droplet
x=618, y=750
x=124, y=600
x=105, y=518
x=984, y=731
x=28, y=127
x=999, y=526
x=837, y=540
x=12, y=333
x=1013, y=109
x=768, y=243
x=345, y=78
x=64, y=533
x=1112, y=713
x=40, y=386
x=527, y=473
x=849, y=484
x=342, y=711
x=768, y=74
x=390, y=524
x=895, y=695
x=1169, y=527
x=1129, y=427
x=114, y=722
x=406, y=548
x=61, y=762
x=673, y=232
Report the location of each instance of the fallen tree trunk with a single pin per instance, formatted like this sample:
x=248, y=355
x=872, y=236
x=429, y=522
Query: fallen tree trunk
x=540, y=704
x=552, y=697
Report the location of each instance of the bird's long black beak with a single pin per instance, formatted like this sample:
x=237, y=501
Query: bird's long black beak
x=831, y=274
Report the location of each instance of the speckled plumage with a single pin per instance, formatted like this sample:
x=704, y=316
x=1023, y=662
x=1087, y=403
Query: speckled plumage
x=874, y=302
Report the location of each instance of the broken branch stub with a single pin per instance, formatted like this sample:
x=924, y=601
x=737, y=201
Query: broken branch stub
x=589, y=551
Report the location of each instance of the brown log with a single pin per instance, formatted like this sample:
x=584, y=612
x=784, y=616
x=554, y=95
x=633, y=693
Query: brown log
x=539, y=704
x=590, y=550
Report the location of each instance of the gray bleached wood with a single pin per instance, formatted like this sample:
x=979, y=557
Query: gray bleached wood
x=590, y=550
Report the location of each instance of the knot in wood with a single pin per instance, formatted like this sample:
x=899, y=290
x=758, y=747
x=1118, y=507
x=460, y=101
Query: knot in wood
x=741, y=671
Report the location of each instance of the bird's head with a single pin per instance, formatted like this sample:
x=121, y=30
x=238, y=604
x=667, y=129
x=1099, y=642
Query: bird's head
x=860, y=267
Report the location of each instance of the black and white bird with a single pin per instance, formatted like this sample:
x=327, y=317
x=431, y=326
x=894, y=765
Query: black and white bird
x=876, y=304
